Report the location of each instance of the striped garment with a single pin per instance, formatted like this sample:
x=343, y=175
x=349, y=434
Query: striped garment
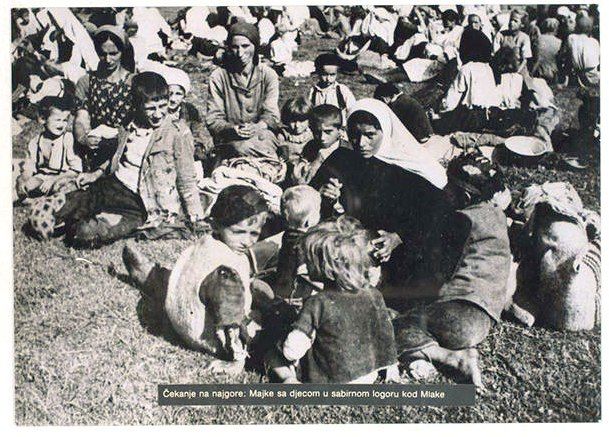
x=593, y=260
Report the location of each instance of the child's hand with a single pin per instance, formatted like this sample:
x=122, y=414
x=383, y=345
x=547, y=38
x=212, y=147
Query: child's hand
x=385, y=244
x=47, y=184
x=331, y=190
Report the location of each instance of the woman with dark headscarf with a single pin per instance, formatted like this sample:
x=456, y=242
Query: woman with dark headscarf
x=104, y=98
x=242, y=105
x=475, y=45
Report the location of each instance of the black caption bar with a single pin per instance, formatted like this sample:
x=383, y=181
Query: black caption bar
x=316, y=394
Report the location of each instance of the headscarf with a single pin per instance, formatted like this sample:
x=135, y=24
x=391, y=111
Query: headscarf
x=247, y=30
x=475, y=46
x=114, y=30
x=399, y=147
x=172, y=75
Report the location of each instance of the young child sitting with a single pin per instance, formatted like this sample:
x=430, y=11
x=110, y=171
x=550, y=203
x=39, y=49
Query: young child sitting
x=51, y=164
x=326, y=124
x=184, y=113
x=328, y=90
x=150, y=182
x=295, y=133
x=300, y=209
x=217, y=267
x=343, y=334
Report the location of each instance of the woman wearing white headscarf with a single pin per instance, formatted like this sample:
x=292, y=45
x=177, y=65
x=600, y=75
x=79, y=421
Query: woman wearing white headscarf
x=387, y=181
x=396, y=145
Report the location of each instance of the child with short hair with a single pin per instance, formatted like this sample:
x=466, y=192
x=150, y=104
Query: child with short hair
x=51, y=164
x=149, y=183
x=236, y=221
x=301, y=210
x=326, y=124
x=514, y=37
x=183, y=112
x=343, y=334
x=328, y=90
x=295, y=133
x=461, y=298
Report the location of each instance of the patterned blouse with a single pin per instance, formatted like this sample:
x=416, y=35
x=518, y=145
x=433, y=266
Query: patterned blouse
x=106, y=102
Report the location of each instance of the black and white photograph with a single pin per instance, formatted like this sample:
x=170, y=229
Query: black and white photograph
x=281, y=195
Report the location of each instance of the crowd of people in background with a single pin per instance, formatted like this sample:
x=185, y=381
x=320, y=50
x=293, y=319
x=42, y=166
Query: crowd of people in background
x=344, y=235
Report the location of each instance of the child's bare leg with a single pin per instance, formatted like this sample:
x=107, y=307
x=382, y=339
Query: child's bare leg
x=151, y=278
x=279, y=368
x=465, y=360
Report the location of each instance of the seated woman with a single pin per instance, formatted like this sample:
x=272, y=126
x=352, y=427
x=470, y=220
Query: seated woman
x=242, y=105
x=497, y=99
x=388, y=182
x=104, y=98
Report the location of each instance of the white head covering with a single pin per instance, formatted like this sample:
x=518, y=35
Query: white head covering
x=399, y=147
x=172, y=75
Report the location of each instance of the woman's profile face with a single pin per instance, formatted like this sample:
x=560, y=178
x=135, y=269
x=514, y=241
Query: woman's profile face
x=109, y=55
x=366, y=139
x=243, y=49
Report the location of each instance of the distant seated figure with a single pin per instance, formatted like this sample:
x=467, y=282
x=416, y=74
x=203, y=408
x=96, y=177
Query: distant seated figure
x=410, y=112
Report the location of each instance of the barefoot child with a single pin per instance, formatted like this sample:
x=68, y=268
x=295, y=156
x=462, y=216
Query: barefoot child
x=210, y=290
x=472, y=262
x=343, y=333
x=150, y=180
x=51, y=164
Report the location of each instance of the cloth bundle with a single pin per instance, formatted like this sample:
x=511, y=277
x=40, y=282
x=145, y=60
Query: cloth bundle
x=563, y=199
x=261, y=173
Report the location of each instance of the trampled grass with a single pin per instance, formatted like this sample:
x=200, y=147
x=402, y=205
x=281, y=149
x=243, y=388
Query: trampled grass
x=89, y=349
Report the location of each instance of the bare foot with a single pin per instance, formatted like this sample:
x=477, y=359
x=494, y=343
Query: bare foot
x=422, y=369
x=222, y=367
x=137, y=264
x=467, y=363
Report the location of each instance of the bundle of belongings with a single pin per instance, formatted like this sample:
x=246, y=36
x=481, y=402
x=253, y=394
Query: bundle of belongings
x=264, y=174
x=559, y=272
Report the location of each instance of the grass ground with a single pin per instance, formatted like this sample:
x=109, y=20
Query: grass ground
x=88, y=350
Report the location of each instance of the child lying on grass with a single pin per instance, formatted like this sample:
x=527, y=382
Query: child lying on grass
x=208, y=295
